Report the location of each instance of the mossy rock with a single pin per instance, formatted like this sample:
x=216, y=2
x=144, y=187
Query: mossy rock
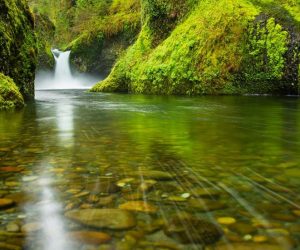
x=10, y=96
x=18, y=49
x=45, y=32
x=212, y=47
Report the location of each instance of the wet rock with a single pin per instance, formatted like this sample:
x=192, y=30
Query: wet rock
x=265, y=224
x=283, y=217
x=286, y=242
x=103, y=218
x=295, y=228
x=6, y=246
x=12, y=227
x=296, y=212
x=103, y=187
x=31, y=227
x=6, y=203
x=226, y=220
x=188, y=229
x=278, y=188
x=90, y=237
x=260, y=238
x=155, y=226
x=93, y=198
x=12, y=184
x=242, y=228
x=233, y=237
x=147, y=185
x=139, y=206
x=29, y=178
x=153, y=174
x=293, y=172
x=247, y=246
x=106, y=200
x=176, y=198
x=205, y=205
x=126, y=181
x=11, y=169
x=133, y=196
x=278, y=232
x=205, y=192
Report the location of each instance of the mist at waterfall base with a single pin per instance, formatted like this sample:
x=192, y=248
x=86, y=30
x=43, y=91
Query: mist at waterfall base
x=62, y=77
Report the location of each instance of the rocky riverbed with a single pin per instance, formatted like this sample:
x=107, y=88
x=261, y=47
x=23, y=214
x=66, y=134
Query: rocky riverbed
x=94, y=185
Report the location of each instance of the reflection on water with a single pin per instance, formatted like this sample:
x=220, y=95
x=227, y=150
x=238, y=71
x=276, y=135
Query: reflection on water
x=109, y=171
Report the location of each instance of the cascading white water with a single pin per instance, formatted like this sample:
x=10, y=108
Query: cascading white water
x=62, y=77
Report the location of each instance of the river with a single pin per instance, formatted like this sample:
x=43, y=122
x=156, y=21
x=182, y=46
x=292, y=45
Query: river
x=151, y=172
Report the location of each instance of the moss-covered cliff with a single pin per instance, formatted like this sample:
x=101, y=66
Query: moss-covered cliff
x=17, y=52
x=45, y=33
x=212, y=47
x=105, y=37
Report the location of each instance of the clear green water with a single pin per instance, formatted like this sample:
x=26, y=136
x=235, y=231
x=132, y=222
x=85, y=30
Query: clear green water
x=231, y=161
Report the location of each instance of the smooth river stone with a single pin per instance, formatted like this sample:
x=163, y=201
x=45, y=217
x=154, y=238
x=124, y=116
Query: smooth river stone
x=6, y=246
x=11, y=169
x=153, y=174
x=226, y=220
x=103, y=187
x=90, y=237
x=242, y=228
x=139, y=206
x=284, y=217
x=103, y=218
x=188, y=229
x=6, y=203
x=247, y=246
x=206, y=205
x=205, y=192
x=31, y=227
x=296, y=212
x=293, y=172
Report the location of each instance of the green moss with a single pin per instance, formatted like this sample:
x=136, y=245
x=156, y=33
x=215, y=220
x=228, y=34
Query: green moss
x=264, y=60
x=18, y=44
x=213, y=47
x=96, y=49
x=10, y=96
x=45, y=32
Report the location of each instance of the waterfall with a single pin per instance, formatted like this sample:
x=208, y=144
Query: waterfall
x=62, y=77
x=62, y=74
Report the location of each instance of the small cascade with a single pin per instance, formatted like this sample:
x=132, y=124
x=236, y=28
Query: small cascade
x=62, y=74
x=62, y=77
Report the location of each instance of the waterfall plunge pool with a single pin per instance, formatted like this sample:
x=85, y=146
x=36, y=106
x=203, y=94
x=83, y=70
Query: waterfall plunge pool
x=112, y=171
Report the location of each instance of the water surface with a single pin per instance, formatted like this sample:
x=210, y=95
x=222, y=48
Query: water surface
x=174, y=163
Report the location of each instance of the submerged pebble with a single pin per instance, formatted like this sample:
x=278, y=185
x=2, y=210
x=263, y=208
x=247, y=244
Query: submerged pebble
x=103, y=218
x=189, y=229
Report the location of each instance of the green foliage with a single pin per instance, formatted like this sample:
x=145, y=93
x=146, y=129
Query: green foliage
x=10, y=96
x=266, y=46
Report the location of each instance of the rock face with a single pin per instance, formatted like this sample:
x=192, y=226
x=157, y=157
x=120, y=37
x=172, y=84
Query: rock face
x=17, y=51
x=103, y=218
x=183, y=48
